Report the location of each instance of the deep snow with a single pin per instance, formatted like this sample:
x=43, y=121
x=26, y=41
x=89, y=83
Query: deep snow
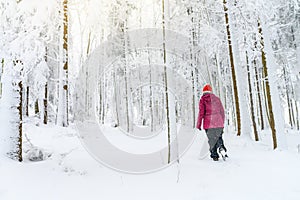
x=253, y=171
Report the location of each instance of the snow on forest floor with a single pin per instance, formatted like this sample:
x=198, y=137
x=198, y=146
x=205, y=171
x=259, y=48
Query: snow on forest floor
x=253, y=171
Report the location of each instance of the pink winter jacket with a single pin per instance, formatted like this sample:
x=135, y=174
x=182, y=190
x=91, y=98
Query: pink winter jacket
x=211, y=111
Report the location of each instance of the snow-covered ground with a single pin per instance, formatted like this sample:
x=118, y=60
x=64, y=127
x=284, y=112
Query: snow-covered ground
x=253, y=171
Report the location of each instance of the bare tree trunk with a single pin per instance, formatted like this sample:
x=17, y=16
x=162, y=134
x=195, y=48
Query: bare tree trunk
x=251, y=100
x=13, y=111
x=262, y=124
x=36, y=107
x=62, y=118
x=292, y=113
x=293, y=103
x=46, y=104
x=116, y=99
x=267, y=86
x=193, y=98
x=297, y=115
x=19, y=90
x=233, y=73
x=100, y=102
x=20, y=109
x=124, y=35
x=192, y=64
x=45, y=101
x=87, y=98
x=86, y=106
x=89, y=45
x=166, y=81
x=151, y=94
x=265, y=98
x=66, y=65
x=141, y=102
x=103, y=102
x=289, y=103
x=2, y=67
x=27, y=101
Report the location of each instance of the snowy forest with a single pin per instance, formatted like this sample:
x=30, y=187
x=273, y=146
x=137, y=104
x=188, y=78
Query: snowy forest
x=79, y=75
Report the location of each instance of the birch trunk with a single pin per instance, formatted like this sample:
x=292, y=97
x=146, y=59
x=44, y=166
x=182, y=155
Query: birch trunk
x=62, y=115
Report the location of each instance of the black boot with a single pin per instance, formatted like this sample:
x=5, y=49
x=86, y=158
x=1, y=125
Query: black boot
x=223, y=153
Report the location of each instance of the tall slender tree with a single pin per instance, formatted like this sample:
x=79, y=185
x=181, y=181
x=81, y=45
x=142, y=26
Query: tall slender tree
x=267, y=87
x=1, y=72
x=251, y=99
x=233, y=70
x=62, y=115
x=166, y=81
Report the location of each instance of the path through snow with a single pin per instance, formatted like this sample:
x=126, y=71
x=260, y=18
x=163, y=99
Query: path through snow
x=253, y=171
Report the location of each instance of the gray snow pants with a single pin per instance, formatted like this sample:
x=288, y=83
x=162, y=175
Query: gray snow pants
x=215, y=141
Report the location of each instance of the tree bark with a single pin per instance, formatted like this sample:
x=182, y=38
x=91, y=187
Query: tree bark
x=103, y=102
x=117, y=110
x=2, y=67
x=262, y=124
x=288, y=98
x=166, y=81
x=66, y=64
x=89, y=45
x=267, y=86
x=151, y=94
x=251, y=100
x=20, y=110
x=46, y=104
x=27, y=101
x=192, y=64
x=63, y=111
x=125, y=40
x=36, y=107
x=297, y=116
x=233, y=73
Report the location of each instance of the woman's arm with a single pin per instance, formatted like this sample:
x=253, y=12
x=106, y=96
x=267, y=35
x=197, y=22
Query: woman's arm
x=200, y=114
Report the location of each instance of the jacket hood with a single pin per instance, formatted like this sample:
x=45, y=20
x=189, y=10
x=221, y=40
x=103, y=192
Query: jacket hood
x=209, y=97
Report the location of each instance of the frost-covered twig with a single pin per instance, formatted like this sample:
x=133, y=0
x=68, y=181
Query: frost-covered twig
x=28, y=140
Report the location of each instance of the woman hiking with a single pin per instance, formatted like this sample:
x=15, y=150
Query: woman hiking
x=211, y=112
